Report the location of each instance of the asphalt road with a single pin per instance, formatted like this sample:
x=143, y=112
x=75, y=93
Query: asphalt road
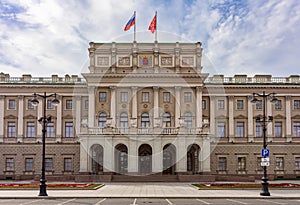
x=146, y=201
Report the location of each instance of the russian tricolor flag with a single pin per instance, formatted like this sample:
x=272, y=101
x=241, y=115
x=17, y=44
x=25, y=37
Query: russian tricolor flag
x=130, y=23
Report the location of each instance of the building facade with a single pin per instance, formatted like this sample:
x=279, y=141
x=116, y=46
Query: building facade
x=147, y=111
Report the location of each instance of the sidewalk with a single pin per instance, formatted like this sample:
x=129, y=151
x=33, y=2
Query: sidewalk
x=152, y=190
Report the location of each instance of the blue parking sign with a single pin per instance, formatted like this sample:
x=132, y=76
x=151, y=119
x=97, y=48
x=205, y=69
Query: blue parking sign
x=265, y=152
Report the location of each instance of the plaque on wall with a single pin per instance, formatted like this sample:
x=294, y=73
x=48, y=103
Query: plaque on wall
x=166, y=61
x=124, y=61
x=187, y=61
x=102, y=61
x=145, y=61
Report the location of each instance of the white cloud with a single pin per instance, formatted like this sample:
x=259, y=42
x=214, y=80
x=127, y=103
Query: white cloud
x=45, y=37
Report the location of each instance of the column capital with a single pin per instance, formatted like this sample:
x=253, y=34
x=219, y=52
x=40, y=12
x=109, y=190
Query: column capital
x=2, y=97
x=91, y=89
x=134, y=88
x=288, y=97
x=113, y=87
x=249, y=97
x=177, y=88
x=21, y=97
x=155, y=88
x=199, y=88
x=77, y=97
x=231, y=97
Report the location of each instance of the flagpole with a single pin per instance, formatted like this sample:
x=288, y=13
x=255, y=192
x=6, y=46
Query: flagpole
x=134, y=32
x=156, y=27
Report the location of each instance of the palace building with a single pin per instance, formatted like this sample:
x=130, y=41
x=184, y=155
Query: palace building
x=147, y=112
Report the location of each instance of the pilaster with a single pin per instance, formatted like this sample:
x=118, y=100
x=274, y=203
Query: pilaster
x=198, y=106
x=91, y=113
x=177, y=105
x=212, y=115
x=20, y=118
x=288, y=119
x=113, y=105
x=231, y=118
x=78, y=114
x=59, y=110
x=1, y=118
x=250, y=118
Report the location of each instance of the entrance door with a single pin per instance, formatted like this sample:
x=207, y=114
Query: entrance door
x=169, y=159
x=121, y=159
x=193, y=159
x=145, y=159
x=97, y=158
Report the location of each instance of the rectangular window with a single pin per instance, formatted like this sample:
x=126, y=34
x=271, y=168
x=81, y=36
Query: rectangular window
x=28, y=164
x=241, y=163
x=9, y=164
x=50, y=106
x=278, y=105
x=29, y=105
x=240, y=129
x=166, y=96
x=50, y=129
x=187, y=97
x=278, y=129
x=279, y=163
x=102, y=97
x=296, y=129
x=240, y=104
x=296, y=104
x=69, y=104
x=68, y=164
x=30, y=129
x=221, y=104
x=258, y=164
x=297, y=163
x=12, y=104
x=258, y=130
x=86, y=104
x=124, y=97
x=68, y=129
x=258, y=105
x=11, y=129
x=145, y=97
x=221, y=129
x=48, y=164
x=203, y=104
x=222, y=164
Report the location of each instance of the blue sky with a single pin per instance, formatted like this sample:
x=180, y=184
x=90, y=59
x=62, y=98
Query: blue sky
x=45, y=37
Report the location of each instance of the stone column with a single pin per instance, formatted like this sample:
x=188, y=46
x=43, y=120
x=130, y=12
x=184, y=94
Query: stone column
x=157, y=162
x=113, y=105
x=205, y=155
x=133, y=156
x=59, y=110
x=20, y=119
x=212, y=116
x=198, y=106
x=177, y=106
x=181, y=155
x=1, y=118
x=288, y=119
x=134, y=102
x=231, y=118
x=39, y=127
x=155, y=102
x=91, y=114
x=108, y=159
x=84, y=157
x=250, y=119
x=78, y=114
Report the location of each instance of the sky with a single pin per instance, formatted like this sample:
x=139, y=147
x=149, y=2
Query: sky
x=45, y=37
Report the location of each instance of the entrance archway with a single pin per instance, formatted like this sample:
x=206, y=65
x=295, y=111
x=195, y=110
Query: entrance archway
x=145, y=159
x=169, y=159
x=97, y=158
x=193, y=159
x=121, y=159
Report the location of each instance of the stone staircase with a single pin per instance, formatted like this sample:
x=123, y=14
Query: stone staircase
x=147, y=178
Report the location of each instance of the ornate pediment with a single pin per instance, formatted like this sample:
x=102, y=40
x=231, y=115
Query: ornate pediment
x=296, y=117
x=10, y=117
x=279, y=116
x=29, y=117
x=221, y=117
x=240, y=117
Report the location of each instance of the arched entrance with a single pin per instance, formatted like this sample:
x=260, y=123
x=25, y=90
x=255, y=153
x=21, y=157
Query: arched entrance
x=193, y=158
x=169, y=159
x=97, y=158
x=145, y=159
x=121, y=159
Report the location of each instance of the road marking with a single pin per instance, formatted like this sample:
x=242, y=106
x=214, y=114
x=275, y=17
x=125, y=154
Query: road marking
x=236, y=201
x=272, y=202
x=67, y=201
x=33, y=201
x=170, y=203
x=134, y=202
x=99, y=202
x=205, y=202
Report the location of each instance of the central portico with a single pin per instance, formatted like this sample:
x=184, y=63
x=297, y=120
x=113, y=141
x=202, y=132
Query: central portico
x=144, y=110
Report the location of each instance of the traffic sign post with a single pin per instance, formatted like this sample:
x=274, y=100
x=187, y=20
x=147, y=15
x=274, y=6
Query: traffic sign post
x=265, y=164
x=265, y=159
x=265, y=152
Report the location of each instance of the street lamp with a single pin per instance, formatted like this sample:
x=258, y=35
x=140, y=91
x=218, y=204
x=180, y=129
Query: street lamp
x=264, y=119
x=44, y=120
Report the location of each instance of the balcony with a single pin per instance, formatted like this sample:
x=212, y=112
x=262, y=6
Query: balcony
x=145, y=131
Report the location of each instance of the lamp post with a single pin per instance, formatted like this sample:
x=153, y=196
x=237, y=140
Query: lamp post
x=44, y=120
x=264, y=119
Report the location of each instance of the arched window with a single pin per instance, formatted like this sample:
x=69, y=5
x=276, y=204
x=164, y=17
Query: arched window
x=145, y=121
x=102, y=119
x=167, y=119
x=123, y=119
x=188, y=119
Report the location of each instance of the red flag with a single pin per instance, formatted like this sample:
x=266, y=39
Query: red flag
x=152, y=26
